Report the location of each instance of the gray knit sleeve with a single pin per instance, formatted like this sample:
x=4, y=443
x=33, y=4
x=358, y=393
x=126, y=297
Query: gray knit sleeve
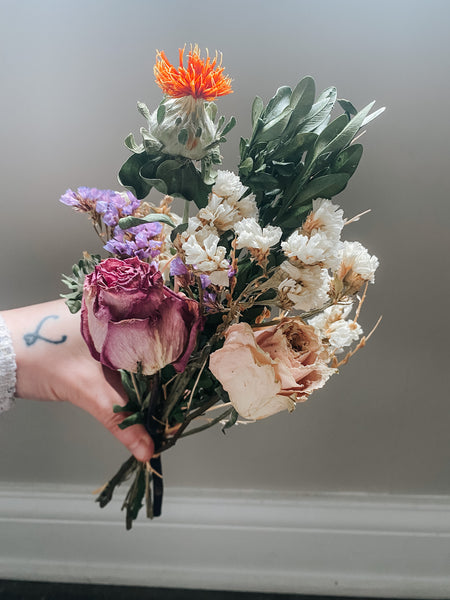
x=7, y=368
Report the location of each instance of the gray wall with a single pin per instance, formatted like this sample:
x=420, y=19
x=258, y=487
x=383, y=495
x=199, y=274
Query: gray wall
x=71, y=73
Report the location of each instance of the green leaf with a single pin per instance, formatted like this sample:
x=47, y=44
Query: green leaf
x=277, y=104
x=257, y=108
x=143, y=109
x=130, y=178
x=75, y=282
x=301, y=101
x=134, y=419
x=344, y=138
x=183, y=136
x=229, y=126
x=243, y=145
x=373, y=116
x=286, y=169
x=211, y=109
x=131, y=144
x=158, y=184
x=348, y=107
x=320, y=111
x=295, y=218
x=246, y=166
x=262, y=182
x=326, y=186
x=274, y=129
x=127, y=222
x=160, y=113
x=347, y=160
x=231, y=420
x=179, y=229
x=328, y=135
x=177, y=178
x=295, y=146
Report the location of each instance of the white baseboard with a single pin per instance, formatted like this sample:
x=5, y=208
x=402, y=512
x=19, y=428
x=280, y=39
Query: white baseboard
x=331, y=544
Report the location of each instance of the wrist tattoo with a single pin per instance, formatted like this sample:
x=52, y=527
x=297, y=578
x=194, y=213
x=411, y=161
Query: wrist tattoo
x=32, y=338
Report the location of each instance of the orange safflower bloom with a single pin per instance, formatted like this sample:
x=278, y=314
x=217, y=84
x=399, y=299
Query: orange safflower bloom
x=201, y=79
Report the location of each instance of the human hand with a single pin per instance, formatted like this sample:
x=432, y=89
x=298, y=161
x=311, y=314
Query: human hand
x=54, y=363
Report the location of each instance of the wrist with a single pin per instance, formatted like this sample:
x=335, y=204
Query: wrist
x=37, y=334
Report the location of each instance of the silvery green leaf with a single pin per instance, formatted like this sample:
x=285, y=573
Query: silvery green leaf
x=329, y=134
x=277, y=104
x=373, y=116
x=211, y=109
x=130, y=143
x=198, y=132
x=344, y=138
x=161, y=113
x=127, y=222
x=243, y=145
x=294, y=147
x=347, y=160
x=273, y=129
x=143, y=109
x=348, y=107
x=301, y=101
x=257, y=108
x=246, y=166
x=326, y=186
x=229, y=126
x=320, y=111
x=183, y=136
x=306, y=87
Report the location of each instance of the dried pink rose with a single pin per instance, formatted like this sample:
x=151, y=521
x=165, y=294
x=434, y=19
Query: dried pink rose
x=267, y=371
x=129, y=317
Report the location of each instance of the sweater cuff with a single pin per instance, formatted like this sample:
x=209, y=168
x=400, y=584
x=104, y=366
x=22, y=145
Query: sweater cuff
x=7, y=368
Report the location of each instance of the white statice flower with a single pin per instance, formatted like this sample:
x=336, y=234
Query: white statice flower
x=251, y=235
x=356, y=267
x=202, y=251
x=225, y=208
x=334, y=327
x=312, y=250
x=325, y=217
x=228, y=185
x=304, y=288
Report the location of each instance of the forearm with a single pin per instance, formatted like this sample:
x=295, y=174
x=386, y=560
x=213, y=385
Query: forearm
x=38, y=334
x=54, y=363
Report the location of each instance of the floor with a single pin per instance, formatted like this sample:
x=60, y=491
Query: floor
x=28, y=590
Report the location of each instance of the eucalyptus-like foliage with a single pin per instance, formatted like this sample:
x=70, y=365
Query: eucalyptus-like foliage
x=75, y=281
x=295, y=154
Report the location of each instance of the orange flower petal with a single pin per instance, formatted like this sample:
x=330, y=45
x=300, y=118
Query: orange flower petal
x=202, y=78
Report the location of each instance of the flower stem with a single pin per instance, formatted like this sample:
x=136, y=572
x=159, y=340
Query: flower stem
x=209, y=424
x=186, y=211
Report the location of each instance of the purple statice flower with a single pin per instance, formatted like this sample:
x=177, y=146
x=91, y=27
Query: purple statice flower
x=178, y=268
x=209, y=298
x=205, y=281
x=114, y=205
x=137, y=241
x=83, y=200
x=231, y=272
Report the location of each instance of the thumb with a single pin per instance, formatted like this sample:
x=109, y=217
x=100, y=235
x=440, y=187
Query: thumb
x=105, y=397
x=135, y=437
